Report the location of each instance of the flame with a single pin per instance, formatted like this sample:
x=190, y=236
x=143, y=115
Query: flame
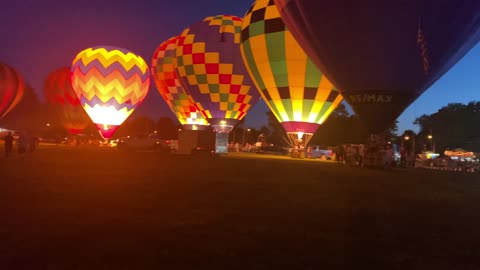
x=107, y=115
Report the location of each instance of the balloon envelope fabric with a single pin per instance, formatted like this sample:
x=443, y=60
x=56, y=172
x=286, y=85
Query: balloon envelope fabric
x=166, y=80
x=381, y=55
x=60, y=94
x=11, y=89
x=299, y=95
x=212, y=70
x=110, y=83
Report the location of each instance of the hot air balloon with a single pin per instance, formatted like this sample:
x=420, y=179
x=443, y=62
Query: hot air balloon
x=110, y=83
x=60, y=94
x=11, y=89
x=382, y=55
x=211, y=68
x=166, y=79
x=298, y=94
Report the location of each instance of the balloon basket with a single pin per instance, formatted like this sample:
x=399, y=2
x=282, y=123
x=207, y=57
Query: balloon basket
x=298, y=141
x=221, y=143
x=221, y=137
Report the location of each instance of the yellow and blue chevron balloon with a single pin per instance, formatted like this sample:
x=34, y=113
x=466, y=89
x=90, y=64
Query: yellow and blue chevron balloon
x=296, y=91
x=110, y=83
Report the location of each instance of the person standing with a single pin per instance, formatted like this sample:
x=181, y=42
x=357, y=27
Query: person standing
x=22, y=143
x=8, y=144
x=237, y=147
x=309, y=152
x=388, y=157
x=361, y=155
x=403, y=162
x=340, y=154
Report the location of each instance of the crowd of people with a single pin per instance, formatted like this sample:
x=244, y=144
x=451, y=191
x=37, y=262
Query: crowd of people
x=350, y=154
x=25, y=143
x=375, y=153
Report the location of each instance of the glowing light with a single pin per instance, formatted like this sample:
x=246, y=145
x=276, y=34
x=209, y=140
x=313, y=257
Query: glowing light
x=407, y=138
x=107, y=115
x=212, y=71
x=429, y=137
x=110, y=83
x=166, y=80
x=64, y=101
x=11, y=89
x=296, y=91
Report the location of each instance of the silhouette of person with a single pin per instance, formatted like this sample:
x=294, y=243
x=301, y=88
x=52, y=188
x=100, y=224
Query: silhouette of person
x=8, y=144
x=22, y=143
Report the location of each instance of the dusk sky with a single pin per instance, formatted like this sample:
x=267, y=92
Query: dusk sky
x=39, y=36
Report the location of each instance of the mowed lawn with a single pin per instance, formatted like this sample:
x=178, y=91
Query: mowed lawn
x=67, y=208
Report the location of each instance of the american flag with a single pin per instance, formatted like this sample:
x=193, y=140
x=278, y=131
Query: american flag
x=423, y=49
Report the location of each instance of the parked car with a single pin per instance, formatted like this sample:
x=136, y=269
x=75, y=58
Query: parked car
x=319, y=152
x=144, y=142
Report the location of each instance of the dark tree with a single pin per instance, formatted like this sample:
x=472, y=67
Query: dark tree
x=410, y=141
x=135, y=124
x=341, y=127
x=278, y=135
x=166, y=128
x=265, y=131
x=453, y=126
x=236, y=135
x=29, y=115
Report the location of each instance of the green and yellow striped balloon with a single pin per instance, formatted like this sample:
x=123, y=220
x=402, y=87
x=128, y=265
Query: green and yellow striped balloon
x=296, y=91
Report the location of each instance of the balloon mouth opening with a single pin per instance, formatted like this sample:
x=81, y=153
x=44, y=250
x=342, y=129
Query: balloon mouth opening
x=106, y=131
x=222, y=128
x=74, y=131
x=195, y=127
x=300, y=127
x=220, y=125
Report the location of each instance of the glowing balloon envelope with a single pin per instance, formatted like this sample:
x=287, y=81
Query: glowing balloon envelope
x=11, y=89
x=60, y=94
x=165, y=76
x=298, y=94
x=211, y=68
x=110, y=83
x=382, y=55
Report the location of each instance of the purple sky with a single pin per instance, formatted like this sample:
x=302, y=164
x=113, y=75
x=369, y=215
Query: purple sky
x=39, y=36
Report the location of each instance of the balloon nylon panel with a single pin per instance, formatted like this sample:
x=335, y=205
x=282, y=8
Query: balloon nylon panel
x=110, y=83
x=211, y=69
x=11, y=89
x=291, y=85
x=164, y=72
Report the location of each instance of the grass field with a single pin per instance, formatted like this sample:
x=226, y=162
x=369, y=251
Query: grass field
x=67, y=208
